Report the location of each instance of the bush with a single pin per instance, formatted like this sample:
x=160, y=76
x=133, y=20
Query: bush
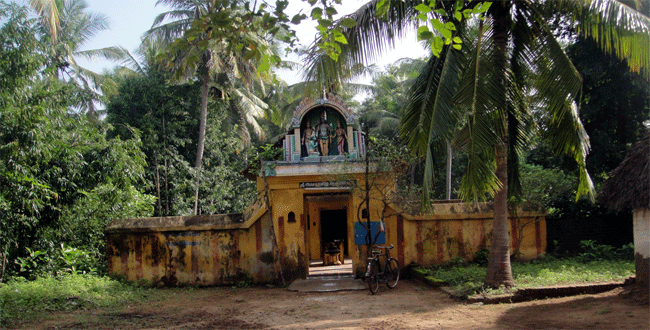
x=56, y=262
x=20, y=299
x=597, y=252
x=481, y=257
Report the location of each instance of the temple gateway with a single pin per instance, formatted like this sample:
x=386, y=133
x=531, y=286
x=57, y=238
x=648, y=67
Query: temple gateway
x=316, y=203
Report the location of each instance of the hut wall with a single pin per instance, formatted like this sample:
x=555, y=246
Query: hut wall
x=642, y=245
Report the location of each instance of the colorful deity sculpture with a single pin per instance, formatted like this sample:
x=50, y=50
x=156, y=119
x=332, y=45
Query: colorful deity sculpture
x=324, y=131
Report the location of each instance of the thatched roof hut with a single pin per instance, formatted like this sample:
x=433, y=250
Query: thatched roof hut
x=629, y=184
x=629, y=187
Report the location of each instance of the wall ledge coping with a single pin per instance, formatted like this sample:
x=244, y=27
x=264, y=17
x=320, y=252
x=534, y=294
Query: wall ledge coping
x=182, y=223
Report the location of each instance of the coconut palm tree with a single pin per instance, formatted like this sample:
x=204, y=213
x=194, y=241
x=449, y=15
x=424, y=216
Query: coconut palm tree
x=511, y=57
x=219, y=45
x=68, y=26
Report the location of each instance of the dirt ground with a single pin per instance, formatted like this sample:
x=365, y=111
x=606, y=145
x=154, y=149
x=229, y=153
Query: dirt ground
x=409, y=306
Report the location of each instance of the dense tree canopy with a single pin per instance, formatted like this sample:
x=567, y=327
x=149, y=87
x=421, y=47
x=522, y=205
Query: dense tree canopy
x=61, y=179
x=166, y=118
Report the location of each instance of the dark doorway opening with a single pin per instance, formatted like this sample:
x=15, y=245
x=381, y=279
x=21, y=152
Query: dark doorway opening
x=334, y=227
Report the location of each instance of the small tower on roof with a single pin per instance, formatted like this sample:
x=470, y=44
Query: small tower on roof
x=323, y=129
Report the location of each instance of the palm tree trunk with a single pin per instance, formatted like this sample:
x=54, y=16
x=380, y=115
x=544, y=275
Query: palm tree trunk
x=499, y=271
x=203, y=117
x=449, y=161
x=157, y=179
x=166, y=167
x=166, y=188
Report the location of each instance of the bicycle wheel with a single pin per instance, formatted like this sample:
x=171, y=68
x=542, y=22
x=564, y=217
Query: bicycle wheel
x=391, y=273
x=372, y=279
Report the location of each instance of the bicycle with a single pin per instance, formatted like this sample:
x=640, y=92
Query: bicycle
x=375, y=274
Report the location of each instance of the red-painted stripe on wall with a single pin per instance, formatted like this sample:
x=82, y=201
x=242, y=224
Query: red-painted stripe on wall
x=124, y=254
x=137, y=245
x=481, y=234
x=215, y=256
x=538, y=237
x=420, y=242
x=514, y=234
x=461, y=241
x=281, y=246
x=155, y=251
x=236, y=255
x=258, y=235
x=194, y=259
x=439, y=242
x=400, y=240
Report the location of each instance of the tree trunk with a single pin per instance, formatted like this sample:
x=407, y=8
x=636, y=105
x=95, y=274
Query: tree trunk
x=3, y=262
x=158, y=184
x=269, y=211
x=369, y=242
x=203, y=118
x=499, y=271
x=166, y=189
x=165, y=162
x=449, y=160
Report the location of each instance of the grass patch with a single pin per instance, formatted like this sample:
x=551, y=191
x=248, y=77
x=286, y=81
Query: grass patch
x=468, y=278
x=23, y=300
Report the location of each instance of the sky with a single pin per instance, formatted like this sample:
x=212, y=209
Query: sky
x=129, y=19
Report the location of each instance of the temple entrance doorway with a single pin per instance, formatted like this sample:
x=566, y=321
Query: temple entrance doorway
x=334, y=229
x=328, y=234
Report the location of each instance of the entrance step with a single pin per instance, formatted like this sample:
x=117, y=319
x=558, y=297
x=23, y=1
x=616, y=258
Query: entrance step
x=328, y=278
x=316, y=268
x=328, y=283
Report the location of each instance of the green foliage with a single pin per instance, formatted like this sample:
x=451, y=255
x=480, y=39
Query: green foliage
x=601, y=252
x=481, y=257
x=461, y=277
x=21, y=299
x=223, y=188
x=268, y=153
x=543, y=185
x=570, y=271
x=64, y=260
x=570, y=222
x=165, y=117
x=66, y=37
x=430, y=14
x=615, y=107
x=382, y=109
x=61, y=179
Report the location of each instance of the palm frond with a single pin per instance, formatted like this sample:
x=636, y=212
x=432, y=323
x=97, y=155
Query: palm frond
x=429, y=115
x=48, y=12
x=558, y=86
x=170, y=31
x=620, y=30
x=366, y=41
x=251, y=108
x=129, y=61
x=115, y=53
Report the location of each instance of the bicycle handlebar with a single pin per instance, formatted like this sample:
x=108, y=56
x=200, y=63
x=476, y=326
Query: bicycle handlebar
x=384, y=246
